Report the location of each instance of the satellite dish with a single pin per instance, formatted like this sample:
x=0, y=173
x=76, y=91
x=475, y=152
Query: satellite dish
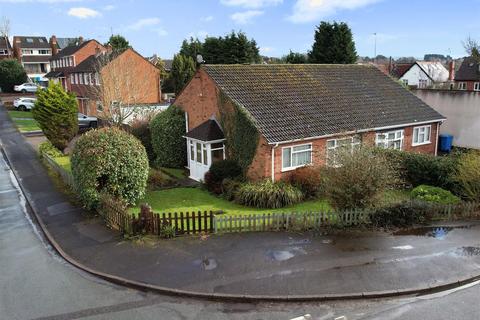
x=200, y=59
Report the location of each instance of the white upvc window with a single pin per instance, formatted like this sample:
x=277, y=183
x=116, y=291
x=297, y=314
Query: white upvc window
x=390, y=140
x=80, y=77
x=334, y=146
x=421, y=135
x=97, y=79
x=422, y=83
x=76, y=78
x=85, y=78
x=462, y=86
x=476, y=86
x=72, y=79
x=296, y=156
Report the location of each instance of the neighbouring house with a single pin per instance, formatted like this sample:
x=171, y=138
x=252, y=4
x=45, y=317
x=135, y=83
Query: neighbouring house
x=276, y=118
x=5, y=48
x=62, y=43
x=63, y=62
x=107, y=79
x=34, y=54
x=467, y=77
x=422, y=74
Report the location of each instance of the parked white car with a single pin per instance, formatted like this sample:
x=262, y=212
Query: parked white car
x=24, y=104
x=26, y=87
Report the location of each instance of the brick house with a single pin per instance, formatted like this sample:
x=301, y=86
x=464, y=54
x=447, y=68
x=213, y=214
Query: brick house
x=107, y=78
x=64, y=61
x=467, y=78
x=5, y=48
x=34, y=54
x=302, y=114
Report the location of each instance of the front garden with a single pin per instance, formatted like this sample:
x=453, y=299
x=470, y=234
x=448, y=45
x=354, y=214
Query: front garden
x=24, y=121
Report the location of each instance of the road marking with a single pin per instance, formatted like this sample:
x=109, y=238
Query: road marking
x=407, y=247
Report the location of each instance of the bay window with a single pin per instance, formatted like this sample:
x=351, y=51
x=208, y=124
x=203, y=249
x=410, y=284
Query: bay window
x=296, y=156
x=390, y=140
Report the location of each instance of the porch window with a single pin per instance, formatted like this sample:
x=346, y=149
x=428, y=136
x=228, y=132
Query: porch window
x=217, y=152
x=421, y=135
x=390, y=140
x=205, y=158
x=199, y=152
x=192, y=151
x=296, y=156
x=335, y=146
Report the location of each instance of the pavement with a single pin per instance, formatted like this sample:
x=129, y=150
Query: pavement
x=280, y=265
x=38, y=284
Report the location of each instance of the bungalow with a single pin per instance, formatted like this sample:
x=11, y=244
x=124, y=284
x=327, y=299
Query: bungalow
x=289, y=116
x=467, y=77
x=422, y=74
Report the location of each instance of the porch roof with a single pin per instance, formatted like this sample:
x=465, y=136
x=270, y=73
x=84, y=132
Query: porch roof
x=207, y=131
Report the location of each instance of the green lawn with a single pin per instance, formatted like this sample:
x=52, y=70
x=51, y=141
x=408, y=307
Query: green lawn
x=196, y=199
x=20, y=114
x=64, y=162
x=173, y=172
x=26, y=125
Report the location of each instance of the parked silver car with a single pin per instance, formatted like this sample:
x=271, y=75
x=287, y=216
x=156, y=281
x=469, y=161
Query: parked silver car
x=85, y=121
x=26, y=87
x=24, y=103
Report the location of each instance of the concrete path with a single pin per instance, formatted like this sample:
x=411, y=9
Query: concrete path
x=256, y=263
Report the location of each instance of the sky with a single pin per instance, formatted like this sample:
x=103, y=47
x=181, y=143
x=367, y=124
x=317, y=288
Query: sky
x=402, y=27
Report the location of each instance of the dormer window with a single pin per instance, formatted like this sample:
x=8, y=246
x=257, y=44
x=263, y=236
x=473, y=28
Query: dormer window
x=29, y=40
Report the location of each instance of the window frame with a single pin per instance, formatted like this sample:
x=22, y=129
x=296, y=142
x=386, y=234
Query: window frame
x=386, y=140
x=415, y=144
x=354, y=141
x=290, y=168
x=476, y=86
x=462, y=86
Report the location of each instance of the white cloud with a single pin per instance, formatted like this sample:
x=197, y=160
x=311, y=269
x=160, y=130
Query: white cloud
x=251, y=3
x=83, y=13
x=201, y=35
x=312, y=10
x=109, y=7
x=142, y=23
x=266, y=50
x=206, y=19
x=246, y=16
x=161, y=32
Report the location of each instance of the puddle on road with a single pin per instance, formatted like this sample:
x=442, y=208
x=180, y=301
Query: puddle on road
x=432, y=232
x=207, y=264
x=284, y=255
x=468, y=251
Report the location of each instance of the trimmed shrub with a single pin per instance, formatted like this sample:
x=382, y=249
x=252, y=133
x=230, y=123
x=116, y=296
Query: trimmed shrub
x=112, y=161
x=424, y=169
x=359, y=179
x=229, y=188
x=468, y=175
x=268, y=194
x=11, y=74
x=402, y=214
x=56, y=113
x=169, y=145
x=308, y=179
x=141, y=130
x=434, y=194
x=49, y=149
x=225, y=169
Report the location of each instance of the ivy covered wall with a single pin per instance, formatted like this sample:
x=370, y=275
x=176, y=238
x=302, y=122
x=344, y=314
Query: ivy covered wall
x=241, y=135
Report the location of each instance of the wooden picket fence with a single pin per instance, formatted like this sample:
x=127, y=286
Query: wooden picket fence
x=66, y=176
x=289, y=221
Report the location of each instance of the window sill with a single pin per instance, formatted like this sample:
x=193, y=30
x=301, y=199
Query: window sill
x=294, y=168
x=421, y=144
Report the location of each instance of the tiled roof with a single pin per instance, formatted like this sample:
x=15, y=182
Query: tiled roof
x=68, y=51
x=31, y=42
x=90, y=64
x=469, y=70
x=207, y=131
x=290, y=102
x=434, y=70
x=62, y=43
x=400, y=69
x=54, y=74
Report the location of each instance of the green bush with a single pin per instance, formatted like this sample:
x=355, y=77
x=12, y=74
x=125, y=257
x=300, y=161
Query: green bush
x=308, y=179
x=424, y=169
x=359, y=179
x=49, y=149
x=112, y=161
x=141, y=130
x=225, y=169
x=11, y=74
x=402, y=214
x=268, y=194
x=56, y=113
x=468, y=175
x=230, y=188
x=169, y=145
x=434, y=194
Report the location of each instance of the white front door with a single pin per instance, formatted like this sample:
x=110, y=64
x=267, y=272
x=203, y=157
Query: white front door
x=199, y=159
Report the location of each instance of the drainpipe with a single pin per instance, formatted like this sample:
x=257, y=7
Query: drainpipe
x=436, y=140
x=273, y=161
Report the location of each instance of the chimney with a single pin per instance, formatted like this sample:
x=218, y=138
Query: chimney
x=54, y=45
x=451, y=70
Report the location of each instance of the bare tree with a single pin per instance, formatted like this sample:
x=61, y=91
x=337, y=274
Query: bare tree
x=472, y=47
x=122, y=85
x=5, y=27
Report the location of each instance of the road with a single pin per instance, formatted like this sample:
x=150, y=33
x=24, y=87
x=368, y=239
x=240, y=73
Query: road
x=37, y=284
